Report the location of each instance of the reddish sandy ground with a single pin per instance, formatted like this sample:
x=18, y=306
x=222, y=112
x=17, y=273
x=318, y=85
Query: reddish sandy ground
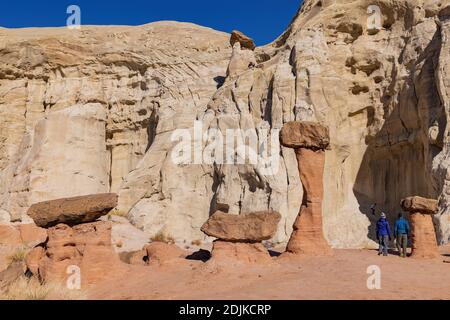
x=342, y=276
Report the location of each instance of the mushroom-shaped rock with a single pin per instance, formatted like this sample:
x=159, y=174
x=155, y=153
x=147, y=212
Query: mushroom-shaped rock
x=419, y=204
x=309, y=141
x=304, y=134
x=424, y=244
x=243, y=57
x=240, y=236
x=247, y=227
x=245, y=41
x=72, y=211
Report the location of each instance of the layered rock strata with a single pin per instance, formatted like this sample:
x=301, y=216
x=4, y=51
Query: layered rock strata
x=81, y=253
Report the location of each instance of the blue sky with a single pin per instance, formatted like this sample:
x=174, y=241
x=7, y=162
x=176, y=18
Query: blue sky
x=263, y=20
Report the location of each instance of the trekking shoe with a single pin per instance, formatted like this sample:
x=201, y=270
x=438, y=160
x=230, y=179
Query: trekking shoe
x=385, y=255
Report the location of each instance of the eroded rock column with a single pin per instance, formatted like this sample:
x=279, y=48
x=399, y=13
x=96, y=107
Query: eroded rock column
x=309, y=141
x=424, y=244
x=76, y=241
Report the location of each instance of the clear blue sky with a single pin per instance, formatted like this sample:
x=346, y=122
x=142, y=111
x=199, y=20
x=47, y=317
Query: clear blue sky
x=263, y=20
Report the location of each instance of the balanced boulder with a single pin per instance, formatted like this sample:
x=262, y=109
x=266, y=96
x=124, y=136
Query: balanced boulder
x=305, y=134
x=419, y=204
x=72, y=211
x=245, y=41
x=243, y=57
x=248, y=227
x=424, y=244
x=240, y=236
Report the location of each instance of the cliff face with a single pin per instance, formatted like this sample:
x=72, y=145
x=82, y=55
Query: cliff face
x=80, y=110
x=94, y=111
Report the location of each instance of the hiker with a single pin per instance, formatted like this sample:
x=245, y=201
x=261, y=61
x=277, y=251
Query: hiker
x=373, y=208
x=383, y=235
x=401, y=232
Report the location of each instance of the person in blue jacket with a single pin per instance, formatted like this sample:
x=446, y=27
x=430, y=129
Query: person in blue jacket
x=401, y=232
x=383, y=235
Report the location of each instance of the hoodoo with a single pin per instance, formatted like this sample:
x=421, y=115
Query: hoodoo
x=424, y=245
x=309, y=141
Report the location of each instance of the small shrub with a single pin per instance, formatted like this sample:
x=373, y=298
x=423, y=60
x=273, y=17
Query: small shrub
x=18, y=256
x=33, y=289
x=170, y=240
x=162, y=237
x=117, y=213
x=159, y=237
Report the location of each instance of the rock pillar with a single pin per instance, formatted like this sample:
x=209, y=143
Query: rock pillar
x=309, y=141
x=424, y=244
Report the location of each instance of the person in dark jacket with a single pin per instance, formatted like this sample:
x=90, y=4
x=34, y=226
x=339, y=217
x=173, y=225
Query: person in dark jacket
x=383, y=235
x=401, y=232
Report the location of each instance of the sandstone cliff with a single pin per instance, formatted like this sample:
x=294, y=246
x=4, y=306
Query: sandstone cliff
x=94, y=110
x=382, y=93
x=81, y=110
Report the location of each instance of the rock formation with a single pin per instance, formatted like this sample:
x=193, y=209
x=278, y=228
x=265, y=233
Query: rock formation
x=157, y=254
x=243, y=57
x=424, y=245
x=72, y=211
x=93, y=111
x=240, y=236
x=18, y=240
x=247, y=227
x=226, y=254
x=309, y=141
x=244, y=41
x=124, y=236
x=75, y=241
x=86, y=247
x=378, y=91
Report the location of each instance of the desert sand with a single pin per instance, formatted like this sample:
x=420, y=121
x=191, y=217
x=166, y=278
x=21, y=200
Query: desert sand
x=341, y=276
